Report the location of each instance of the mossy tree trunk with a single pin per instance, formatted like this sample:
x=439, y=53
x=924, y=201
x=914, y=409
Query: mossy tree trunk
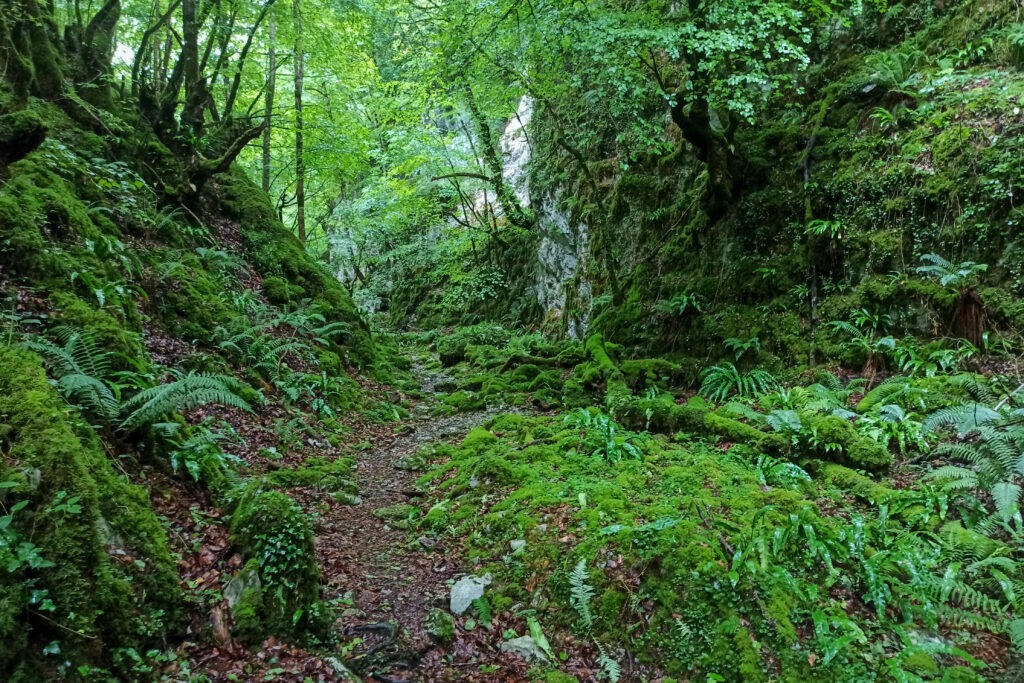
x=509, y=203
x=94, y=54
x=29, y=52
x=968, y=320
x=714, y=145
x=300, y=161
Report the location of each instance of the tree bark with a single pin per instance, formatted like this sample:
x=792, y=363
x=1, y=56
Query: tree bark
x=714, y=148
x=268, y=109
x=97, y=49
x=300, y=164
x=508, y=202
x=192, y=113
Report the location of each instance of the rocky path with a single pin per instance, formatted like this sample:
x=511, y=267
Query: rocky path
x=385, y=577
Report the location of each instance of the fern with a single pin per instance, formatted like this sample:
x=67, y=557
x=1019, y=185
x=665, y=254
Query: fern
x=1016, y=631
x=950, y=274
x=893, y=391
x=79, y=367
x=582, y=593
x=610, y=669
x=966, y=418
x=186, y=392
x=720, y=381
x=482, y=606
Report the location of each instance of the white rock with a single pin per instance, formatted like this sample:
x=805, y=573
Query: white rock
x=466, y=590
x=525, y=647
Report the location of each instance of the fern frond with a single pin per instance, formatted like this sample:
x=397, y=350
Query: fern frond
x=965, y=418
x=581, y=594
x=90, y=394
x=1006, y=496
x=981, y=393
x=610, y=668
x=189, y=391
x=886, y=392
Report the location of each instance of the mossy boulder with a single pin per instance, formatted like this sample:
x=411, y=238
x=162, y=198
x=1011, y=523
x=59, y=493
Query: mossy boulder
x=275, y=252
x=270, y=528
x=440, y=625
x=104, y=561
x=20, y=133
x=833, y=438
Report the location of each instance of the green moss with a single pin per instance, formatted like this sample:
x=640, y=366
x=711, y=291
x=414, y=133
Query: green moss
x=127, y=602
x=440, y=625
x=248, y=609
x=320, y=473
x=192, y=301
x=280, y=293
x=855, y=483
x=400, y=511
x=111, y=332
x=20, y=133
x=833, y=437
x=269, y=527
x=275, y=252
x=465, y=401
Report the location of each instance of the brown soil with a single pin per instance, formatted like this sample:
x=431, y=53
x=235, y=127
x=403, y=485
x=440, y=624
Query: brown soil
x=382, y=579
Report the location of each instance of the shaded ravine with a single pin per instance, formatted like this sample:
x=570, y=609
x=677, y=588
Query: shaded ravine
x=384, y=577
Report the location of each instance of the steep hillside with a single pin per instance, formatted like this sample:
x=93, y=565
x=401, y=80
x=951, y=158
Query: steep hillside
x=183, y=343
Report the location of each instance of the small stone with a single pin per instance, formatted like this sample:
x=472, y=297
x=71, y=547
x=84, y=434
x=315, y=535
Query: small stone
x=517, y=545
x=246, y=579
x=440, y=625
x=341, y=671
x=525, y=647
x=347, y=498
x=466, y=590
x=412, y=463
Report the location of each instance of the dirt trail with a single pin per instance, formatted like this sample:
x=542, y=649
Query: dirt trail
x=385, y=578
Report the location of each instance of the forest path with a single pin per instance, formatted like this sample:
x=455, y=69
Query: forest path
x=385, y=577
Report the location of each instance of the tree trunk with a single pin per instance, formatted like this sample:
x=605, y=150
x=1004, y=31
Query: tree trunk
x=192, y=113
x=508, y=202
x=300, y=164
x=97, y=49
x=714, y=147
x=969, y=317
x=29, y=53
x=268, y=110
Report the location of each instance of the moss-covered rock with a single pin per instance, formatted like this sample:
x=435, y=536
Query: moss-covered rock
x=275, y=252
x=20, y=133
x=107, y=569
x=271, y=529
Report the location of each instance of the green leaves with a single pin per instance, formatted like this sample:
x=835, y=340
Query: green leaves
x=951, y=275
x=188, y=391
x=601, y=436
x=723, y=380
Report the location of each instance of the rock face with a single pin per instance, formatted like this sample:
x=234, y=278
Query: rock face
x=560, y=255
x=466, y=590
x=563, y=245
x=247, y=579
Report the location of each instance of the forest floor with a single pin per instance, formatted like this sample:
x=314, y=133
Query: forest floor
x=382, y=577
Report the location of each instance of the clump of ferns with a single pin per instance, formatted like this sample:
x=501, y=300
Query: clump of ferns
x=129, y=402
x=985, y=455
